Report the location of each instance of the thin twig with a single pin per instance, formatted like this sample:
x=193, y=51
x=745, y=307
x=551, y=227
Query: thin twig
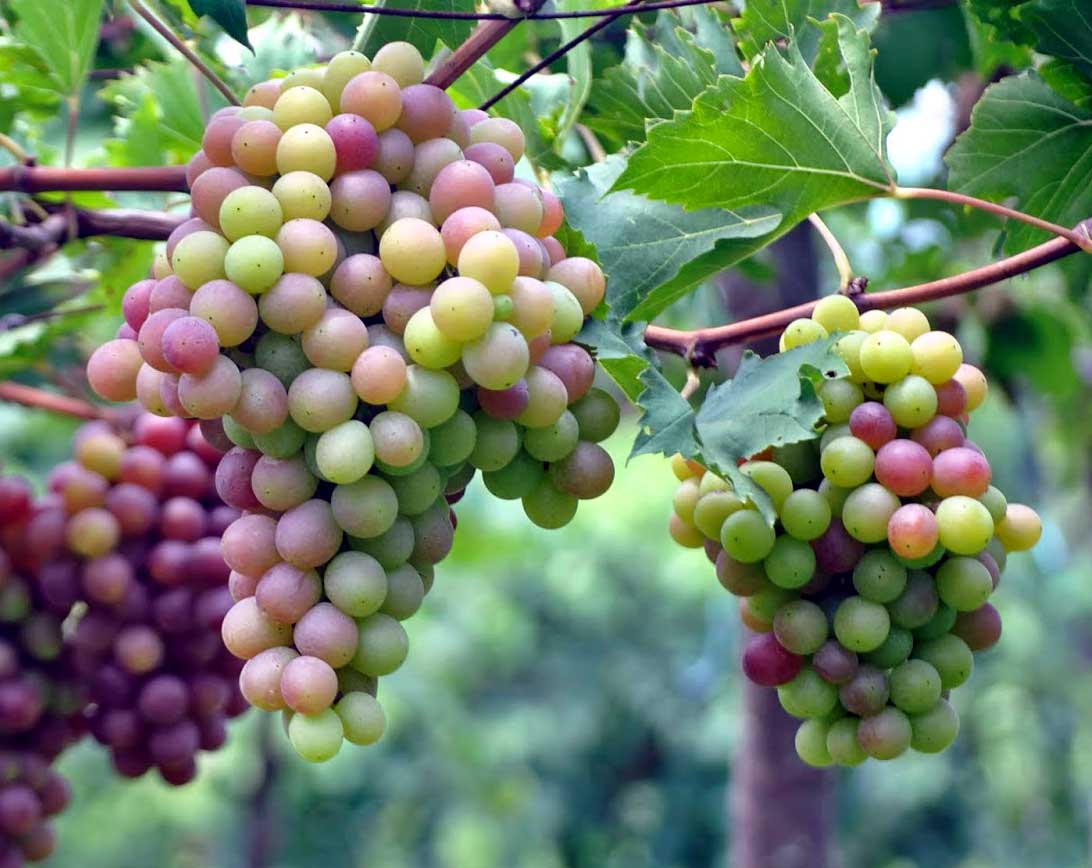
x=475, y=16
x=562, y=50
x=183, y=49
x=28, y=396
x=693, y=381
x=120, y=223
x=15, y=149
x=701, y=345
x=595, y=148
x=841, y=261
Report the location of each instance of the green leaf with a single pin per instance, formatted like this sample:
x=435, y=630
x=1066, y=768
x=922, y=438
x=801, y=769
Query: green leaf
x=422, y=32
x=769, y=402
x=777, y=138
x=65, y=34
x=229, y=14
x=783, y=21
x=1062, y=28
x=620, y=350
x=654, y=253
x=666, y=425
x=1029, y=143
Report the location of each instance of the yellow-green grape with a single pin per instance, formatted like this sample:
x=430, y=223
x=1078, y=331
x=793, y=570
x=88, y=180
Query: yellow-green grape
x=303, y=194
x=969, y=377
x=413, y=251
x=800, y=332
x=307, y=148
x=849, y=348
x=860, y=624
x=342, y=67
x=847, y=461
x=361, y=716
x=873, y=321
x=808, y=695
x=402, y=62
x=498, y=358
x=250, y=211
x=964, y=584
x=867, y=510
x=427, y=345
x=746, y=536
x=301, y=105
x=316, y=737
x=937, y=356
x=811, y=743
x=463, y=308
x=886, y=735
x=308, y=76
x=568, y=315
x=912, y=401
x=886, y=357
x=771, y=478
x=909, y=322
x=491, y=258
x=199, y=258
x=684, y=468
x=161, y=265
x=842, y=742
x=428, y=397
x=836, y=313
x=965, y=526
x=254, y=263
x=683, y=534
x=712, y=509
x=685, y=500
x=805, y=514
x=839, y=397
x=1020, y=529
x=790, y=563
x=934, y=730
x=711, y=482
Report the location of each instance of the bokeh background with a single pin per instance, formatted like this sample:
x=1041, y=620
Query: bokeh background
x=573, y=698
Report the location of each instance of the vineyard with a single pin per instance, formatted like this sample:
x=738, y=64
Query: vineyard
x=544, y=433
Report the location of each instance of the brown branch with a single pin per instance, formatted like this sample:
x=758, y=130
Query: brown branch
x=44, y=179
x=56, y=229
x=28, y=396
x=700, y=346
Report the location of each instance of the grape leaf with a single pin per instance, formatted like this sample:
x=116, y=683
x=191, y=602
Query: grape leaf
x=422, y=32
x=769, y=402
x=778, y=138
x=764, y=21
x=1027, y=142
x=621, y=352
x=654, y=253
x=1062, y=28
x=64, y=34
x=667, y=420
x=229, y=14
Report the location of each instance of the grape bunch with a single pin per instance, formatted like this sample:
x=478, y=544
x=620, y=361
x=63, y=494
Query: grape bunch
x=40, y=702
x=131, y=538
x=870, y=594
x=373, y=308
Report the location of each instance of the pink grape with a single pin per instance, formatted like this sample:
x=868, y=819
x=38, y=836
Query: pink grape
x=872, y=423
x=903, y=467
x=912, y=531
x=355, y=141
x=938, y=434
x=190, y=345
x=960, y=471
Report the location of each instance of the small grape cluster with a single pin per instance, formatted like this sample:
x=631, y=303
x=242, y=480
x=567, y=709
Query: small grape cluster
x=373, y=308
x=40, y=701
x=871, y=592
x=129, y=538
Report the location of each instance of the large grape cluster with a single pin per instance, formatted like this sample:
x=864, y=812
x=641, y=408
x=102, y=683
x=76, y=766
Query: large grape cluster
x=870, y=593
x=375, y=307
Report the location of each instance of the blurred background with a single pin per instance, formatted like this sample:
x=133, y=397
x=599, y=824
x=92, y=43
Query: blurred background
x=574, y=698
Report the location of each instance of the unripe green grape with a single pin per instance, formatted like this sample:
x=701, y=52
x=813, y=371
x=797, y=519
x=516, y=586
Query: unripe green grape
x=808, y=695
x=849, y=348
x=428, y=397
x=839, y=397
x=811, y=743
x=861, y=625
x=766, y=601
x=964, y=525
x=497, y=442
x=886, y=357
x=937, y=356
x=250, y=211
x=417, y=491
x=281, y=356
x=254, y=263
x=308, y=76
x=771, y=478
x=994, y=501
x=462, y=308
x=842, y=742
x=873, y=321
x=382, y=646
x=549, y=508
x=498, y=359
x=879, y=577
x=711, y=509
x=834, y=496
x=938, y=625
x=709, y=481
x=951, y=658
x=867, y=511
x=917, y=603
x=925, y=562
x=302, y=195
x=886, y=735
x=199, y=258
x=284, y=441
x=568, y=315
x=547, y=398
x=964, y=583
x=800, y=626
x=909, y=322
x=390, y=549
x=805, y=514
x=554, y=442
x=345, y=452
x=1020, y=529
x=307, y=148
x=790, y=563
x=847, y=462
x=316, y=737
x=356, y=583
x=427, y=345
x=935, y=729
x=800, y=332
x=915, y=686
x=342, y=67
x=836, y=313
x=832, y=433
x=598, y=415
x=453, y=440
x=237, y=434
x=912, y=401
x=894, y=650
x=746, y=536
x=362, y=718
x=517, y=479
x=503, y=308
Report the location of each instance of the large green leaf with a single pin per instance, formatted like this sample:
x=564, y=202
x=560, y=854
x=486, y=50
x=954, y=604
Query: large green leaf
x=422, y=32
x=1029, y=143
x=64, y=33
x=620, y=350
x=762, y=22
x=778, y=138
x=654, y=253
x=229, y=14
x=1062, y=28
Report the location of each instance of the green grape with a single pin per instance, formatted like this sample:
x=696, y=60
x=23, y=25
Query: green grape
x=417, y=491
x=497, y=442
x=912, y=401
x=879, y=577
x=303, y=195
x=765, y=602
x=771, y=478
x=462, y=308
x=711, y=509
x=250, y=211
x=429, y=397
x=546, y=398
x=237, y=434
x=401, y=61
x=549, y=508
x=800, y=626
x=964, y=583
x=836, y=313
x=935, y=729
x=894, y=650
x=951, y=658
x=832, y=433
x=568, y=314
x=499, y=358
x=301, y=105
x=382, y=646
x=342, y=67
x=392, y=548
x=746, y=536
x=937, y=356
x=805, y=514
x=915, y=686
x=842, y=742
x=254, y=263
x=839, y=397
x=964, y=525
x=345, y=452
x=917, y=603
x=923, y=563
x=861, y=625
x=356, y=583
x=800, y=332
x=319, y=399
x=405, y=591
x=834, y=496
x=886, y=735
x=941, y=622
x=365, y=508
x=517, y=479
x=316, y=737
x=886, y=357
x=808, y=695
x=307, y=148
x=453, y=440
x=849, y=348
x=598, y=415
x=709, y=481
x=283, y=441
x=554, y=442
x=427, y=345
x=361, y=717
x=491, y=259
x=790, y=563
x=281, y=356
x=199, y=258
x=995, y=502
x=811, y=743
x=847, y=462
x=503, y=308
x=867, y=511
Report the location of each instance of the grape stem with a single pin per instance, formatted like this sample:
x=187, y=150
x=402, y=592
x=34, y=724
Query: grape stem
x=700, y=346
x=450, y=15
x=841, y=261
x=44, y=179
x=183, y=49
x=57, y=227
x=28, y=396
x=481, y=39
